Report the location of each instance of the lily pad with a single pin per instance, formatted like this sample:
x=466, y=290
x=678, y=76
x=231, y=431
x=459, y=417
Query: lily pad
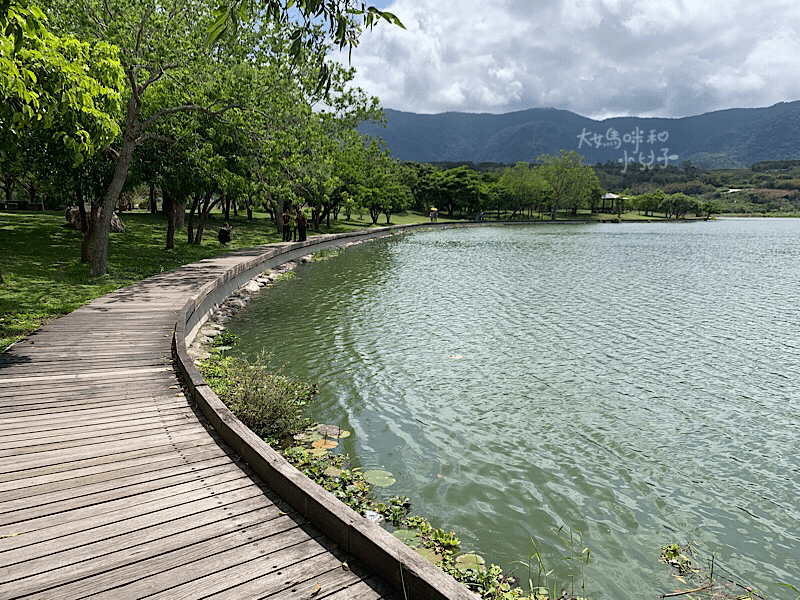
x=326, y=444
x=379, y=478
x=318, y=452
x=429, y=554
x=332, y=471
x=343, y=433
x=473, y=562
x=409, y=538
x=302, y=449
x=307, y=436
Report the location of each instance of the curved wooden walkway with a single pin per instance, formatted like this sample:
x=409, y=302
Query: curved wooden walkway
x=114, y=485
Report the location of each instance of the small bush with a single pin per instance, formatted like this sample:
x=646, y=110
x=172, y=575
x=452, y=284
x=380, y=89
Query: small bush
x=268, y=402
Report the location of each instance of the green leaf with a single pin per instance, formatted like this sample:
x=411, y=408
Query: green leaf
x=412, y=539
x=470, y=562
x=379, y=478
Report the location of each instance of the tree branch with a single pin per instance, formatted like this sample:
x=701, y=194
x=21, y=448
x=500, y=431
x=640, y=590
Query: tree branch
x=145, y=15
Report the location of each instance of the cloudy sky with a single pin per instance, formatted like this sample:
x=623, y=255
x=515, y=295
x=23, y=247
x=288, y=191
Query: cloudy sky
x=598, y=58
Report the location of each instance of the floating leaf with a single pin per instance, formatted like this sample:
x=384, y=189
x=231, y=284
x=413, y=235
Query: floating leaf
x=318, y=452
x=332, y=471
x=307, y=436
x=471, y=561
x=302, y=449
x=410, y=538
x=429, y=554
x=343, y=434
x=379, y=478
x=326, y=444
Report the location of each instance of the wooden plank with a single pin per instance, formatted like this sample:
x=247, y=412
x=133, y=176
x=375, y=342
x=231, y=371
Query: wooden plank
x=208, y=456
x=156, y=570
x=62, y=501
x=49, y=397
x=84, y=431
x=30, y=407
x=55, y=442
x=83, y=486
x=109, y=511
x=147, y=411
x=65, y=461
x=119, y=373
x=265, y=575
x=60, y=470
x=78, y=556
x=183, y=501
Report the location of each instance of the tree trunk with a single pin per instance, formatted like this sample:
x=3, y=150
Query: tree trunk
x=169, y=204
x=102, y=227
x=8, y=186
x=205, y=212
x=195, y=207
x=153, y=208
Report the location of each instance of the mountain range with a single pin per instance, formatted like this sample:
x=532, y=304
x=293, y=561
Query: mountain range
x=736, y=137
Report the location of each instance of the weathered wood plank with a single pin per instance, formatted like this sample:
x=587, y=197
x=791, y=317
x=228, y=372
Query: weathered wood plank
x=84, y=486
x=209, y=455
x=95, y=463
x=158, y=570
x=184, y=499
x=15, y=464
x=59, y=502
x=81, y=555
x=45, y=438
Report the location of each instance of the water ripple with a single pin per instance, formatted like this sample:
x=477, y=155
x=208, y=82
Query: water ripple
x=636, y=383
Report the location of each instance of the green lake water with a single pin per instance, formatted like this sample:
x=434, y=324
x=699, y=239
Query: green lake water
x=636, y=383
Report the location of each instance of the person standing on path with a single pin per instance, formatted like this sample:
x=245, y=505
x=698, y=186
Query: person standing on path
x=287, y=225
x=301, y=222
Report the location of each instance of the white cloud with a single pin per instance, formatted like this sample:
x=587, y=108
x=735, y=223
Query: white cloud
x=594, y=57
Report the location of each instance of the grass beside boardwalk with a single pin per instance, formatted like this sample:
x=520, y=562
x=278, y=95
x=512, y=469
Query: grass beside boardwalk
x=44, y=278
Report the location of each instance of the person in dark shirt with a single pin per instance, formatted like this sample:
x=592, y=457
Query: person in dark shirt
x=301, y=222
x=224, y=235
x=287, y=225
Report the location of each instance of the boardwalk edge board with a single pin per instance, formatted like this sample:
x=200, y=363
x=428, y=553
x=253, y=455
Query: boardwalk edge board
x=386, y=556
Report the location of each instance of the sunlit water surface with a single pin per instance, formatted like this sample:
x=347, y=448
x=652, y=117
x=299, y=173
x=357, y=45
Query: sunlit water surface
x=636, y=383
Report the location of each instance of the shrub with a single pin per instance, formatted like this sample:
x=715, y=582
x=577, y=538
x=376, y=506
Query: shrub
x=268, y=402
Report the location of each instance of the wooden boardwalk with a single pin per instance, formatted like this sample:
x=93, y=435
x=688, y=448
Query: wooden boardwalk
x=113, y=485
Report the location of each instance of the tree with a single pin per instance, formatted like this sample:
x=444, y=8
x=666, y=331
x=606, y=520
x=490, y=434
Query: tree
x=571, y=182
x=521, y=187
x=59, y=97
x=164, y=41
x=709, y=207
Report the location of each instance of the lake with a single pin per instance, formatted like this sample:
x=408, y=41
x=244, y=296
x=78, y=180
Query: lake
x=631, y=385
